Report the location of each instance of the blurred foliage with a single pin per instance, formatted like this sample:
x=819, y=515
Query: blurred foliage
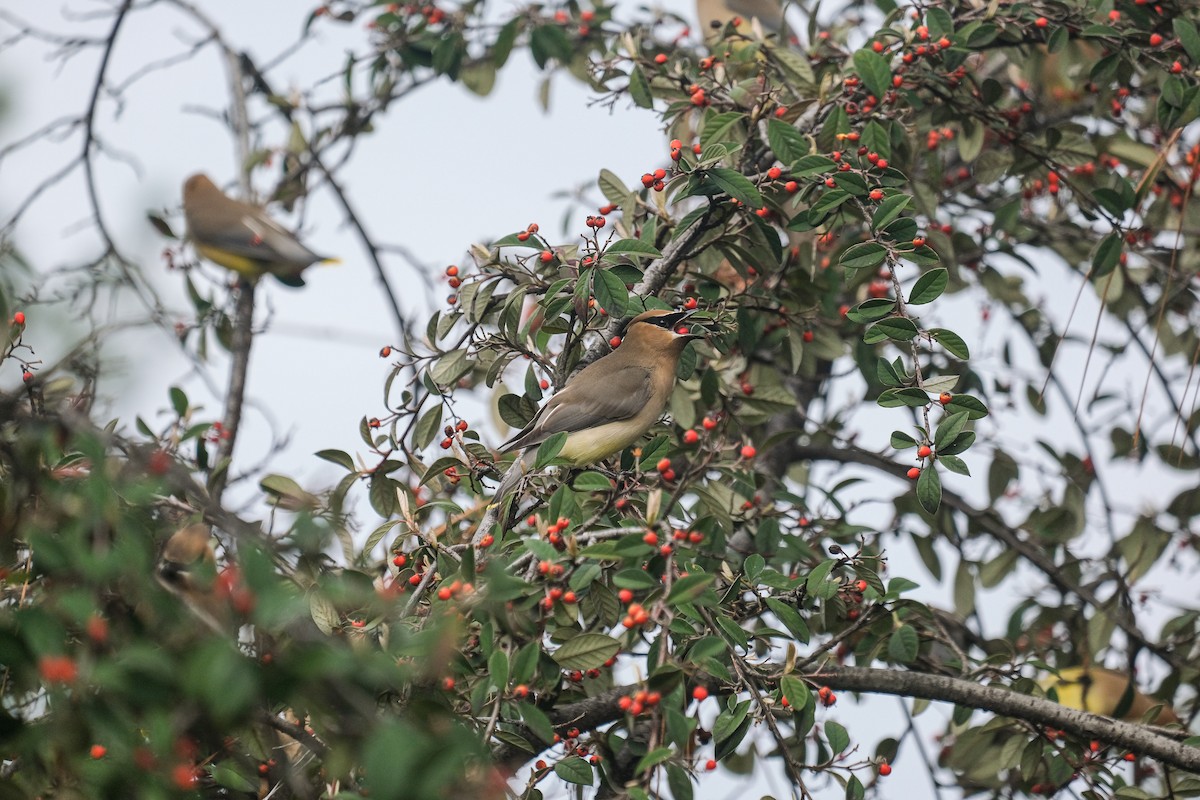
x=830, y=200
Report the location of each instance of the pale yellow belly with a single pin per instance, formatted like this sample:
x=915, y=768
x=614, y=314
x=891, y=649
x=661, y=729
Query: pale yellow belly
x=588, y=447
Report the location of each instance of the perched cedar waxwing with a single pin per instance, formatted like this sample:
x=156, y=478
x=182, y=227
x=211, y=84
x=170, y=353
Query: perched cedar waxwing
x=714, y=14
x=1104, y=691
x=611, y=402
x=188, y=568
x=241, y=237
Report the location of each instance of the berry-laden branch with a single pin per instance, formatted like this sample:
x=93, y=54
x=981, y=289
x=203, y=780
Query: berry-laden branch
x=994, y=526
x=1136, y=738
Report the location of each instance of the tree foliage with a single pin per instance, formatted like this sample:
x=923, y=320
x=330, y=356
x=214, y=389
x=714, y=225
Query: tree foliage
x=857, y=206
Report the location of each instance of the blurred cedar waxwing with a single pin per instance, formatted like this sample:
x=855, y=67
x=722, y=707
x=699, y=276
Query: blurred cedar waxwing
x=1104, y=691
x=242, y=237
x=188, y=568
x=611, y=402
x=714, y=14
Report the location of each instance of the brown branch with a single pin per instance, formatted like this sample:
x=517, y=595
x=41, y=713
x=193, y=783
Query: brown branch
x=1139, y=739
x=242, y=339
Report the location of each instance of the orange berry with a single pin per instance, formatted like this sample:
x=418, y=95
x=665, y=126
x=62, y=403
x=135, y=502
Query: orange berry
x=885, y=769
x=710, y=765
x=448, y=683
x=690, y=437
x=18, y=318
x=876, y=194
x=924, y=451
x=945, y=397
x=547, y=256
x=774, y=173
x=451, y=270
x=625, y=595
x=661, y=58
x=1041, y=22
x=663, y=464
x=700, y=693
x=98, y=751
x=614, y=342
x=914, y=473
x=651, y=538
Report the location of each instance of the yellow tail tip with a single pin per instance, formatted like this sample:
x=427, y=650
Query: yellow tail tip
x=330, y=261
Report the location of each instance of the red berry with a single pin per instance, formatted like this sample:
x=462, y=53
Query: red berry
x=385, y=351
x=1041, y=22
x=451, y=270
x=882, y=163
x=487, y=541
x=918, y=242
x=18, y=318
x=399, y=560
x=924, y=451
x=700, y=693
x=710, y=765
x=27, y=376
x=914, y=473
x=448, y=684
x=748, y=451
x=661, y=58
x=569, y=598
x=807, y=336
x=690, y=437
x=709, y=423
x=663, y=464
x=547, y=256
x=614, y=342
x=668, y=475
x=452, y=299
x=1156, y=39
x=774, y=173
x=876, y=194
x=625, y=595
x=747, y=388
x=443, y=594
x=523, y=236
x=1176, y=68
x=651, y=538
x=945, y=397
x=690, y=303
x=98, y=751
x=885, y=769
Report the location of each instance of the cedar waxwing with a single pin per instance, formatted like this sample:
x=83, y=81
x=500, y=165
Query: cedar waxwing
x=714, y=14
x=241, y=237
x=188, y=568
x=611, y=402
x=1103, y=691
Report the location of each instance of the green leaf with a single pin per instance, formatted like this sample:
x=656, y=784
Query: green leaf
x=828, y=201
x=796, y=691
x=639, y=89
x=653, y=758
x=610, y=292
x=613, y=188
x=537, y=721
x=951, y=426
x=902, y=441
x=690, y=588
x=788, y=144
x=339, y=457
x=929, y=489
x=951, y=341
x=974, y=407
x=548, y=450
x=790, y=618
x=837, y=737
x=898, y=329
x=450, y=367
x=954, y=464
x=427, y=427
x=633, y=247
x=865, y=255
x=1108, y=254
x=904, y=644
x=736, y=185
x=888, y=210
x=179, y=401
x=1188, y=37
x=911, y=397
x=812, y=165
x=586, y=651
x=871, y=310
x=929, y=287
x=874, y=71
x=575, y=770
x=818, y=576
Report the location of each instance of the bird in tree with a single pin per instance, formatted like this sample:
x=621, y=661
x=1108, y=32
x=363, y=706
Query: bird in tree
x=242, y=237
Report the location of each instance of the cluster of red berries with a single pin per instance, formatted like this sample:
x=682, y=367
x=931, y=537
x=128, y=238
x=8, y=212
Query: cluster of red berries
x=530, y=230
x=826, y=696
x=554, y=533
x=454, y=281
x=655, y=179
x=692, y=537
x=550, y=570
x=450, y=430
x=651, y=538
x=636, y=615
x=596, y=222
x=638, y=702
x=555, y=594
x=936, y=137
x=664, y=469
x=455, y=589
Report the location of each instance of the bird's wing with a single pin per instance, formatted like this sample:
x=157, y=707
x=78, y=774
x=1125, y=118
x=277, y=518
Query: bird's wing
x=257, y=237
x=625, y=394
